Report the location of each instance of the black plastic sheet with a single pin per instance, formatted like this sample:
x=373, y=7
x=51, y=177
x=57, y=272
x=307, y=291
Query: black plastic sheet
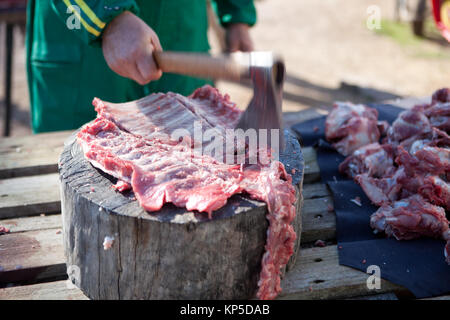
x=417, y=265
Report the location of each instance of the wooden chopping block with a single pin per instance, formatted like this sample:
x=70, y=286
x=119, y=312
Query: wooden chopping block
x=170, y=254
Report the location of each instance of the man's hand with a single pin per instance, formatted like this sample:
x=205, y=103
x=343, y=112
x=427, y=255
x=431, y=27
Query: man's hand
x=238, y=38
x=128, y=44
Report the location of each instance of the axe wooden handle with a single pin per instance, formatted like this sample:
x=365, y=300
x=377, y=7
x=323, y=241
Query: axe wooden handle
x=229, y=67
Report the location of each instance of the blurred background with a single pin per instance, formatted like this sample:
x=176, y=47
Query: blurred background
x=356, y=50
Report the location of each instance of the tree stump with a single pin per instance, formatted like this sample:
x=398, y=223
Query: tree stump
x=170, y=254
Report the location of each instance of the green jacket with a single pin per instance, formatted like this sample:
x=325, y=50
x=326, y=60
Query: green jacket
x=65, y=64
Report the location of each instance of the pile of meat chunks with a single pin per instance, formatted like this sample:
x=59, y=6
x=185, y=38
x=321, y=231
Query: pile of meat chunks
x=407, y=174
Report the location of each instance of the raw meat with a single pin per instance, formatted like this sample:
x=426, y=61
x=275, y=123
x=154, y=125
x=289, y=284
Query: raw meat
x=108, y=242
x=439, y=115
x=409, y=123
x=410, y=218
x=351, y=126
x=273, y=186
x=157, y=116
x=413, y=189
x=374, y=159
x=441, y=95
x=122, y=186
x=158, y=172
x=3, y=230
x=438, y=109
x=431, y=160
x=436, y=190
x=447, y=252
x=127, y=141
x=210, y=105
x=360, y=132
x=342, y=112
x=435, y=138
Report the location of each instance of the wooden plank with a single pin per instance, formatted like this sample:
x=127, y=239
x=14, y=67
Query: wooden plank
x=29, y=195
x=318, y=275
x=19, y=247
x=318, y=221
x=33, y=223
x=31, y=155
x=312, y=171
x=319, y=218
x=33, y=255
x=315, y=190
x=57, y=290
x=303, y=282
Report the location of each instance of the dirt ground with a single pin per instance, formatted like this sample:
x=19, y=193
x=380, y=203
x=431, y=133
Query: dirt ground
x=330, y=55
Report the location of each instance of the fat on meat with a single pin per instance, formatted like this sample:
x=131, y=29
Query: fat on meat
x=409, y=123
x=439, y=115
x=360, y=131
x=158, y=172
x=408, y=175
x=342, y=112
x=381, y=191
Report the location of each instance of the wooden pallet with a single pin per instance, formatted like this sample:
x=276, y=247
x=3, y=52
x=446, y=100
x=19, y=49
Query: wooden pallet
x=32, y=263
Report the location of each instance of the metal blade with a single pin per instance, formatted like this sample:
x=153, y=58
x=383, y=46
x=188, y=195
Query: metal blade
x=264, y=110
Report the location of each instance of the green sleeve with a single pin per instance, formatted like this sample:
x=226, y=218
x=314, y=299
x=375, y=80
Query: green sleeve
x=236, y=11
x=88, y=18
